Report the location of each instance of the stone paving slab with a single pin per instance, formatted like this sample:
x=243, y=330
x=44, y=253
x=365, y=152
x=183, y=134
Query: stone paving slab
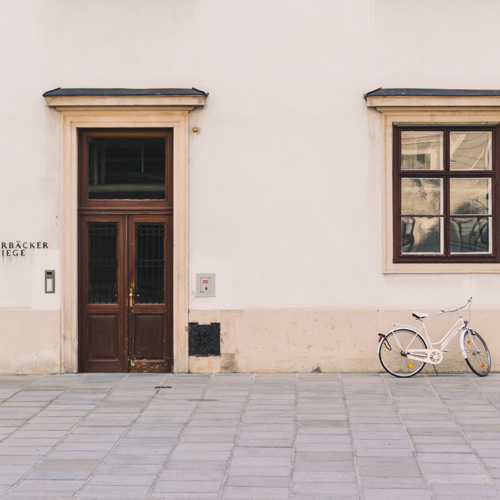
x=243, y=436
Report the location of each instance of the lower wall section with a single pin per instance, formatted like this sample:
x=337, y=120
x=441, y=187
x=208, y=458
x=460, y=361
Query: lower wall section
x=279, y=341
x=265, y=341
x=30, y=342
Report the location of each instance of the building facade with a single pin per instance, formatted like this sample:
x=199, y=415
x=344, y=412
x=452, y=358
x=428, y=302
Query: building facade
x=271, y=183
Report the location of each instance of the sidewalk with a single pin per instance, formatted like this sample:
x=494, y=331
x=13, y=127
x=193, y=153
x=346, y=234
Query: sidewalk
x=238, y=436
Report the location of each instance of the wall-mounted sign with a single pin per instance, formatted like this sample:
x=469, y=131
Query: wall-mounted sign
x=18, y=248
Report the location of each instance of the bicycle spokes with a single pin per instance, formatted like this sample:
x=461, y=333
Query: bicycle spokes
x=393, y=352
x=473, y=345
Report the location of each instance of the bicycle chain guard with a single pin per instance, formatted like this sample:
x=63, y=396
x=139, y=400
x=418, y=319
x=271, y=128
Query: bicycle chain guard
x=433, y=356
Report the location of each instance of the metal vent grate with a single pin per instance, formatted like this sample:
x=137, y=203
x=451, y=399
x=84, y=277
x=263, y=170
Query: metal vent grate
x=204, y=340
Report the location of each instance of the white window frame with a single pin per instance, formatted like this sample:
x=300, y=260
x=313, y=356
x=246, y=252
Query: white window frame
x=426, y=110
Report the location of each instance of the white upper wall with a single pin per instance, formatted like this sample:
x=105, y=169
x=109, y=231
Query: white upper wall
x=285, y=173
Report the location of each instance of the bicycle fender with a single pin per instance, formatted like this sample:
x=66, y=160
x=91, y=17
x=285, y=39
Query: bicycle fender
x=397, y=326
x=462, y=342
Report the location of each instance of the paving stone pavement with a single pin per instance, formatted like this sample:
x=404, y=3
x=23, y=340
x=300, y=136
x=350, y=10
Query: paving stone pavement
x=244, y=436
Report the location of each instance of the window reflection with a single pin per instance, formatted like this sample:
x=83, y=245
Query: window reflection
x=470, y=151
x=126, y=168
x=470, y=196
x=421, y=235
x=470, y=234
x=421, y=150
x=421, y=196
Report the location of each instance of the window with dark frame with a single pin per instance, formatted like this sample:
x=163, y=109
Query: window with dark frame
x=124, y=166
x=446, y=194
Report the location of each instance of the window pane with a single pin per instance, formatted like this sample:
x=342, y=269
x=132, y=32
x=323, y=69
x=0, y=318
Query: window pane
x=470, y=150
x=421, y=235
x=470, y=196
x=103, y=263
x=127, y=168
x=421, y=196
x=421, y=150
x=150, y=263
x=470, y=234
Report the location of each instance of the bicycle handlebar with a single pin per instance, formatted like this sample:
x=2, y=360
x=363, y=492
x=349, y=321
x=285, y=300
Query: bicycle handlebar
x=457, y=309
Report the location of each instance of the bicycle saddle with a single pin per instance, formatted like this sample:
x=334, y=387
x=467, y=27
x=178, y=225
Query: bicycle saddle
x=418, y=315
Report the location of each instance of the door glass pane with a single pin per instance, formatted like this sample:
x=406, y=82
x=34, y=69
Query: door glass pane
x=470, y=150
x=150, y=264
x=103, y=263
x=126, y=168
x=421, y=150
x=421, y=196
x=470, y=196
x=421, y=235
x=470, y=234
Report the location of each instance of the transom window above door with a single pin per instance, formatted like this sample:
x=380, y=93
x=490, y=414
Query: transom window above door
x=445, y=194
x=126, y=168
x=126, y=165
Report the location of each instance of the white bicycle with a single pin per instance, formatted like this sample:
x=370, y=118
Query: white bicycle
x=404, y=350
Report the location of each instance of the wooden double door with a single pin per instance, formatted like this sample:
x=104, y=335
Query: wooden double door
x=125, y=293
x=125, y=204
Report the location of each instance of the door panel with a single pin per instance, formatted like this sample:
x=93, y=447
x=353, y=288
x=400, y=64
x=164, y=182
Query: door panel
x=149, y=275
x=149, y=344
x=103, y=337
x=125, y=293
x=102, y=305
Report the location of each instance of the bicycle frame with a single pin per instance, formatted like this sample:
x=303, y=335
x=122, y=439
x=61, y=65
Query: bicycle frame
x=434, y=353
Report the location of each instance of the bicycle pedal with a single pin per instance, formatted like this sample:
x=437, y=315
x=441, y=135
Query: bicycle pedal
x=446, y=350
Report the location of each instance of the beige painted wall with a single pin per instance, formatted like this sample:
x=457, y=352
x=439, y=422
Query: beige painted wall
x=257, y=341
x=283, y=340
x=30, y=342
x=286, y=177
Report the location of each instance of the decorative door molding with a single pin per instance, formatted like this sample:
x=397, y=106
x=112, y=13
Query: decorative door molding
x=122, y=111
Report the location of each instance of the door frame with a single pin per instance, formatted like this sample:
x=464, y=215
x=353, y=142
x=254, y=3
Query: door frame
x=84, y=113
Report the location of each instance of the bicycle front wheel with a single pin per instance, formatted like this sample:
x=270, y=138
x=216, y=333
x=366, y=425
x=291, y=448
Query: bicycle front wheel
x=392, y=352
x=477, y=354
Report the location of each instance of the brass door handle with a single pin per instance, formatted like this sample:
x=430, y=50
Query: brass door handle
x=131, y=296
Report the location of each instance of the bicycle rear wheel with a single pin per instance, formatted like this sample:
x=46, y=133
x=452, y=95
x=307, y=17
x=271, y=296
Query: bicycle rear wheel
x=477, y=354
x=392, y=352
